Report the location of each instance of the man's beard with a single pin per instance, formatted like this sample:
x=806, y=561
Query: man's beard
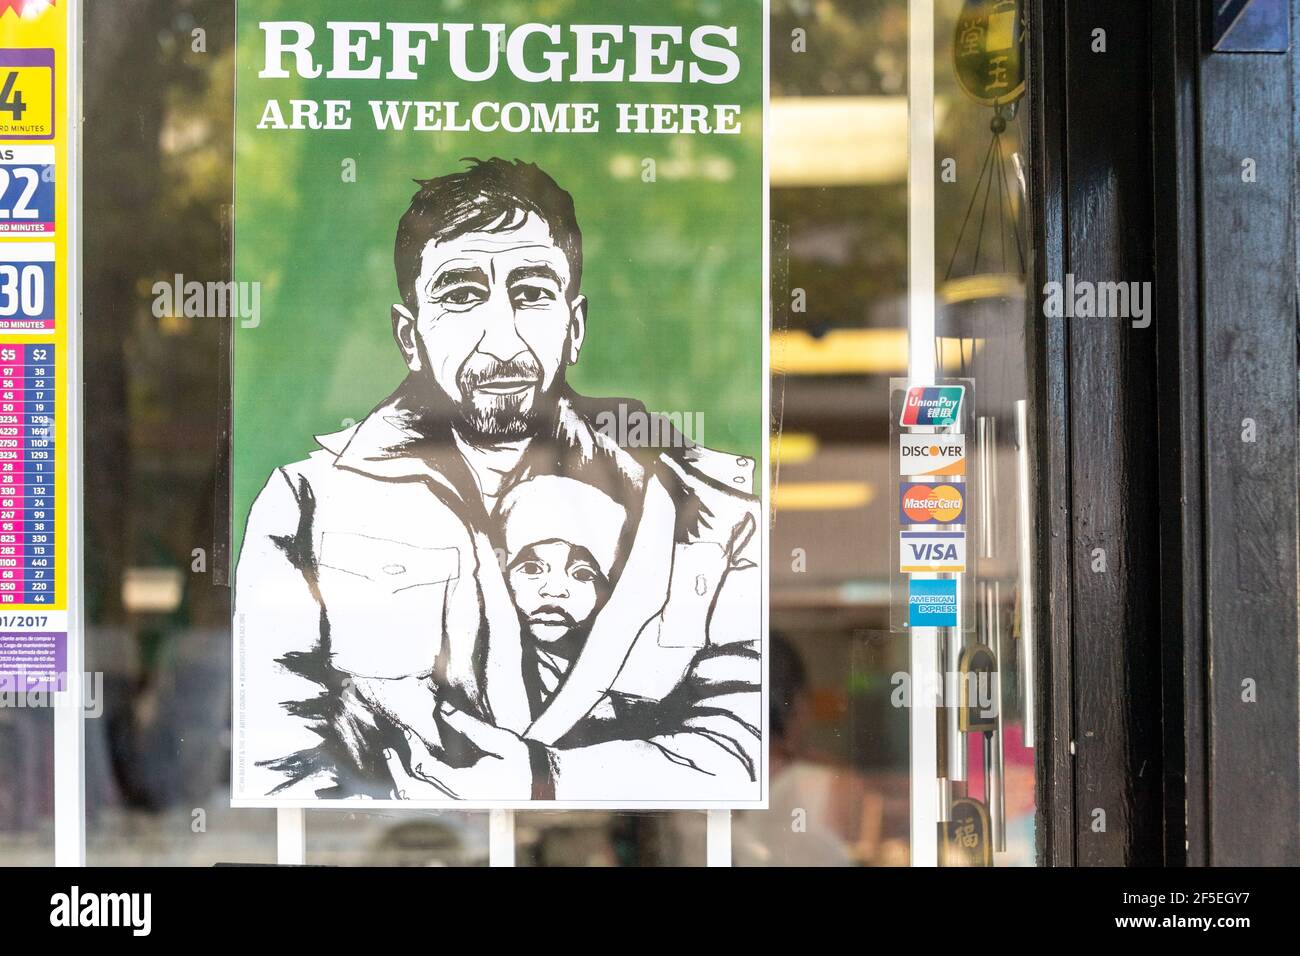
x=488, y=418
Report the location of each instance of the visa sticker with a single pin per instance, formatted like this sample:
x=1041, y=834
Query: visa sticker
x=922, y=552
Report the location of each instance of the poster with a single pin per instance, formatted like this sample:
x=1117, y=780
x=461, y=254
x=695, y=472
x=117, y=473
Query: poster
x=499, y=404
x=38, y=368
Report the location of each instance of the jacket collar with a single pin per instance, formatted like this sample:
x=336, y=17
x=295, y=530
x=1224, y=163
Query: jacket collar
x=403, y=440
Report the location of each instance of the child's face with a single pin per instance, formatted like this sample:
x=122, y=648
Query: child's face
x=556, y=587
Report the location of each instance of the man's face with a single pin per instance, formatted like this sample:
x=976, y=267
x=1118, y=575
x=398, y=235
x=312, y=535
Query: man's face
x=556, y=587
x=494, y=327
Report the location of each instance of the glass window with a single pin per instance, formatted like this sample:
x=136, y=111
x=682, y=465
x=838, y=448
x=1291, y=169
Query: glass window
x=873, y=266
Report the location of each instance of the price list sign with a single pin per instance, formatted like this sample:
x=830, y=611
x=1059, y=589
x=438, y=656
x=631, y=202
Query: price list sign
x=39, y=443
x=31, y=657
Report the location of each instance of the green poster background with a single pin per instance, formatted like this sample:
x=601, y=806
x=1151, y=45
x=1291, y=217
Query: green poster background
x=672, y=268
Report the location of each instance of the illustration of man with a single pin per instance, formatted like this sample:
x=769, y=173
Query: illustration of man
x=380, y=652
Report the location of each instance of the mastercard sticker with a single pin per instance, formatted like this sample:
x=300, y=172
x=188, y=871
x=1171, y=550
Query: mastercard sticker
x=931, y=504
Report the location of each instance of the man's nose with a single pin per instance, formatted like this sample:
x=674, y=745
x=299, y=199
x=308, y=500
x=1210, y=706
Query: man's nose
x=501, y=339
x=554, y=587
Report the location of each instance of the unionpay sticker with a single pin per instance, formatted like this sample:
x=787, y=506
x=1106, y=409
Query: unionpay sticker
x=932, y=603
x=927, y=456
x=931, y=504
x=938, y=406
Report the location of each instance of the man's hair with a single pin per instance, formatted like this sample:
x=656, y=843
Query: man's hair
x=491, y=195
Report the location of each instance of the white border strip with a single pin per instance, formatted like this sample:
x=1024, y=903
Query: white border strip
x=501, y=838
x=923, y=642
x=765, y=444
x=717, y=838
x=291, y=837
x=69, y=717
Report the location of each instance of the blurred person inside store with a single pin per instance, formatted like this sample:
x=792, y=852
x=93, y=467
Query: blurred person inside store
x=801, y=825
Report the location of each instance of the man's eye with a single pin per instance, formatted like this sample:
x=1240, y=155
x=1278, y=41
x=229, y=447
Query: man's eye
x=462, y=295
x=584, y=574
x=531, y=295
x=531, y=568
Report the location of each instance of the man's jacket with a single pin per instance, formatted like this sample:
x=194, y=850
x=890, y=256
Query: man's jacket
x=369, y=584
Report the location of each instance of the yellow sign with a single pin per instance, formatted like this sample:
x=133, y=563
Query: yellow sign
x=26, y=94
x=37, y=346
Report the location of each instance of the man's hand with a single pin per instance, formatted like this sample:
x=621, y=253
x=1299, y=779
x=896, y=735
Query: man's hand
x=408, y=702
x=504, y=772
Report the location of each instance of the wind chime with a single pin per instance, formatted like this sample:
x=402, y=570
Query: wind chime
x=988, y=57
x=989, y=66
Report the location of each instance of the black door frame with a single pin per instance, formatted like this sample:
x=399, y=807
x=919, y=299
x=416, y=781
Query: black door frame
x=1167, y=548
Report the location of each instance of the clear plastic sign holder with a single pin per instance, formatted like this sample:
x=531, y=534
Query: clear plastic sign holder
x=966, y=484
x=937, y=649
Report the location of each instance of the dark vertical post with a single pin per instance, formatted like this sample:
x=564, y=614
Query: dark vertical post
x=1048, y=341
x=1102, y=778
x=1170, y=453
x=1114, y=496
x=1176, y=50
x=1248, y=243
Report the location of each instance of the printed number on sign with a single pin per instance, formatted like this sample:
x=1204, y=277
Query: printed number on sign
x=22, y=289
x=25, y=182
x=11, y=100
